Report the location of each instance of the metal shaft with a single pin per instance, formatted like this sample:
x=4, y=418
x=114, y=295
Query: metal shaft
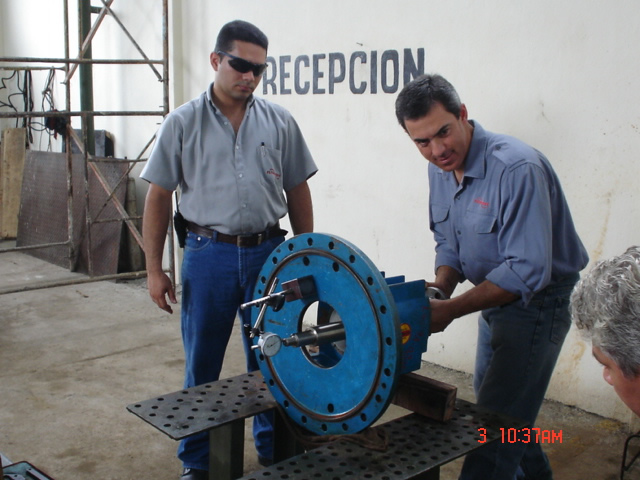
x=263, y=310
x=321, y=334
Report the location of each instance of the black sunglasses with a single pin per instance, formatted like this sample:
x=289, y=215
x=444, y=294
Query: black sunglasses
x=243, y=66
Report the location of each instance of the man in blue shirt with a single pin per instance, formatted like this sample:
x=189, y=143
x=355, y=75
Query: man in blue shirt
x=501, y=221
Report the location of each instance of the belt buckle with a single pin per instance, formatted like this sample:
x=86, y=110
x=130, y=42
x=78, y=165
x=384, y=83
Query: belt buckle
x=250, y=240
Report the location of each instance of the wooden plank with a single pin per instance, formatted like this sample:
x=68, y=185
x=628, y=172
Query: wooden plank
x=425, y=396
x=13, y=155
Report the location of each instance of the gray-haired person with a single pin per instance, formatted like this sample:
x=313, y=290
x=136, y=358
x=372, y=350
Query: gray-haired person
x=606, y=305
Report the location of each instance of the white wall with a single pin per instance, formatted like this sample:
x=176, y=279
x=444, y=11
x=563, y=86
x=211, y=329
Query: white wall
x=561, y=75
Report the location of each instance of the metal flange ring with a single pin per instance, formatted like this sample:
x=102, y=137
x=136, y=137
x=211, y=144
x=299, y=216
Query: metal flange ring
x=348, y=392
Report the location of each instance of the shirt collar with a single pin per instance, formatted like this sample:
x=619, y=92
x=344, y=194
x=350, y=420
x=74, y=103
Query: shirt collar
x=475, y=163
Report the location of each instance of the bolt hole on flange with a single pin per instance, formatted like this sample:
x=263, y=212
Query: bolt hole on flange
x=349, y=288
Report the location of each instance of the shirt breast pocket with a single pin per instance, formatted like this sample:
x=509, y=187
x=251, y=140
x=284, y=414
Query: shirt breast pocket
x=484, y=231
x=439, y=213
x=271, y=164
x=439, y=220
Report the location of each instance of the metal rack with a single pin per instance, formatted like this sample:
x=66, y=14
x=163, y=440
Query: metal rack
x=83, y=64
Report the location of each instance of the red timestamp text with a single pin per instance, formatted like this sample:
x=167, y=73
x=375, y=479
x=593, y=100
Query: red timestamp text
x=524, y=435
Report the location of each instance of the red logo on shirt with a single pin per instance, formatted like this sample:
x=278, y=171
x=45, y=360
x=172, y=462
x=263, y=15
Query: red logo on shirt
x=482, y=203
x=271, y=171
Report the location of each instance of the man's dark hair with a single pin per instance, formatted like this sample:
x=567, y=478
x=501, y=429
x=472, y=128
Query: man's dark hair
x=242, y=31
x=417, y=97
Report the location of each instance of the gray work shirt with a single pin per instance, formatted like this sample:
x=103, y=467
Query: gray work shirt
x=232, y=183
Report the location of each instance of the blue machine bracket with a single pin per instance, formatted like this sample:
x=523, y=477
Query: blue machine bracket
x=332, y=335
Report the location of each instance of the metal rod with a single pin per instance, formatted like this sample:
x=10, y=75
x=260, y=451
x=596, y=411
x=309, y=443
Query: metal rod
x=165, y=111
x=87, y=34
x=144, y=149
x=263, y=310
x=69, y=156
x=19, y=69
x=269, y=299
x=128, y=113
x=318, y=335
x=67, y=60
x=126, y=32
x=116, y=160
x=87, y=209
x=33, y=247
x=72, y=281
x=86, y=74
x=105, y=185
x=118, y=219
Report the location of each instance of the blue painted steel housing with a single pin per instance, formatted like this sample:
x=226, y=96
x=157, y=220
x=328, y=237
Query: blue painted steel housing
x=340, y=387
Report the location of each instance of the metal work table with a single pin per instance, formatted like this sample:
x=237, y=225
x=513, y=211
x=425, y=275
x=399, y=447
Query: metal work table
x=417, y=448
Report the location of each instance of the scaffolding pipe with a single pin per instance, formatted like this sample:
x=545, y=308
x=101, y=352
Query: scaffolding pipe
x=87, y=114
x=105, y=61
x=67, y=136
x=128, y=113
x=86, y=74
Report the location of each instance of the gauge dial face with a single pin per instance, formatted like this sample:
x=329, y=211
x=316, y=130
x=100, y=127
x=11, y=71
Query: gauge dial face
x=270, y=344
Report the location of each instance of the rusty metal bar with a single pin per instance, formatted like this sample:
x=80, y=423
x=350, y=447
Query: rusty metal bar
x=145, y=148
x=33, y=247
x=116, y=160
x=105, y=61
x=165, y=85
x=126, y=32
x=87, y=210
x=105, y=184
x=69, y=157
x=118, y=219
x=86, y=40
x=127, y=113
x=73, y=281
x=132, y=227
x=19, y=69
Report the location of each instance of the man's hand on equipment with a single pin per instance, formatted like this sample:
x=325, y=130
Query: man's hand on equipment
x=441, y=315
x=160, y=285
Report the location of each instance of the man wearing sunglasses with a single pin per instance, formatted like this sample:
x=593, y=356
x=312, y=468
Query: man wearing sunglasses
x=241, y=164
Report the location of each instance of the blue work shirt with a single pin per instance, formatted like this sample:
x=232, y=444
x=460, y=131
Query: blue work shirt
x=232, y=183
x=507, y=221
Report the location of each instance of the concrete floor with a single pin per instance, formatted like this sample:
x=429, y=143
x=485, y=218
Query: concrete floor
x=73, y=357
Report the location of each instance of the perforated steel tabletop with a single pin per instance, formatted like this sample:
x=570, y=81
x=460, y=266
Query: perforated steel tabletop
x=416, y=446
x=198, y=409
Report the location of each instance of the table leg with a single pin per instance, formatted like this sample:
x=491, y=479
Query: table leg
x=226, y=451
x=285, y=444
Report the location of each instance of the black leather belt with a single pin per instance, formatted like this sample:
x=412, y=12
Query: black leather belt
x=249, y=240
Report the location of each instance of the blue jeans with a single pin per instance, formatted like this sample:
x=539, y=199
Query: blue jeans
x=216, y=279
x=517, y=351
